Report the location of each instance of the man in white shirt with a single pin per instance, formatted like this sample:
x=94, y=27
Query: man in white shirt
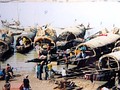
x=63, y=72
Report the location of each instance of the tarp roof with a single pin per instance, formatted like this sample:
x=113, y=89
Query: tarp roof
x=101, y=40
x=115, y=55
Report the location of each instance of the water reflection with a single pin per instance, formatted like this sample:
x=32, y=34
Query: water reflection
x=17, y=61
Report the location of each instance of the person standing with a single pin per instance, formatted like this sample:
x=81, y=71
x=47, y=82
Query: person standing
x=46, y=71
x=39, y=72
x=49, y=70
x=26, y=83
x=64, y=72
x=91, y=77
x=48, y=57
x=66, y=62
x=36, y=70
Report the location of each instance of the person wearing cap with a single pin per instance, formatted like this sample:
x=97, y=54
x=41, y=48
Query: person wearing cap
x=26, y=83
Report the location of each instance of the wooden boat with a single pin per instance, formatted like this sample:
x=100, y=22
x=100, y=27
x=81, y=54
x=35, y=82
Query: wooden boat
x=110, y=61
x=45, y=38
x=15, y=26
x=24, y=42
x=97, y=47
x=71, y=36
x=6, y=46
x=70, y=33
x=63, y=45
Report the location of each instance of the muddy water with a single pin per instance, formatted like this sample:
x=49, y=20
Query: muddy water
x=18, y=62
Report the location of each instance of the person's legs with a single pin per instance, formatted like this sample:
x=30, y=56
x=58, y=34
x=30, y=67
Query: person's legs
x=26, y=89
x=40, y=76
x=37, y=74
x=46, y=75
x=49, y=72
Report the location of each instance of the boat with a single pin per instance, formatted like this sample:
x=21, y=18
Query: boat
x=96, y=47
x=71, y=36
x=73, y=32
x=44, y=38
x=14, y=26
x=24, y=42
x=110, y=61
x=64, y=45
x=6, y=46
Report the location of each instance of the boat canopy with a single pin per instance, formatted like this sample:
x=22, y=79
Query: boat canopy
x=116, y=49
x=101, y=40
x=110, y=61
x=44, y=39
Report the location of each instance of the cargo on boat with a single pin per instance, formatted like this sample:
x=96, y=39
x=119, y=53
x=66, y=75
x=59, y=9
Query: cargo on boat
x=91, y=50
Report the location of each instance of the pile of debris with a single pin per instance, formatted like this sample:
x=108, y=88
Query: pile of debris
x=67, y=85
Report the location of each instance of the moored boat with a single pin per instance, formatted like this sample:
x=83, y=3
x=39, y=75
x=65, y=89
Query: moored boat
x=15, y=26
x=73, y=32
x=6, y=45
x=45, y=38
x=96, y=47
x=110, y=61
x=24, y=42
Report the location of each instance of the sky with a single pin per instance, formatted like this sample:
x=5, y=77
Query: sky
x=98, y=14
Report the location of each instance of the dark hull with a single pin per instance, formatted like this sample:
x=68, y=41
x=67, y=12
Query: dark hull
x=23, y=49
x=29, y=42
x=6, y=48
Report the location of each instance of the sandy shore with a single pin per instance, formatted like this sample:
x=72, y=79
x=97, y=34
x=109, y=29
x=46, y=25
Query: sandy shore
x=49, y=84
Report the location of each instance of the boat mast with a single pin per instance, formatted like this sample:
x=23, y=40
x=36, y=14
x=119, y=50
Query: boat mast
x=18, y=22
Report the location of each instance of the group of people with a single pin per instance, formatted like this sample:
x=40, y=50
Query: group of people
x=7, y=74
x=44, y=70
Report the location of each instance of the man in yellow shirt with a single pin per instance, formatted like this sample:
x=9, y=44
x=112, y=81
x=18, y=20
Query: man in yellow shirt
x=49, y=70
x=24, y=41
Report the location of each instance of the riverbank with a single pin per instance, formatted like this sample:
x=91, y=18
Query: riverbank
x=37, y=84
